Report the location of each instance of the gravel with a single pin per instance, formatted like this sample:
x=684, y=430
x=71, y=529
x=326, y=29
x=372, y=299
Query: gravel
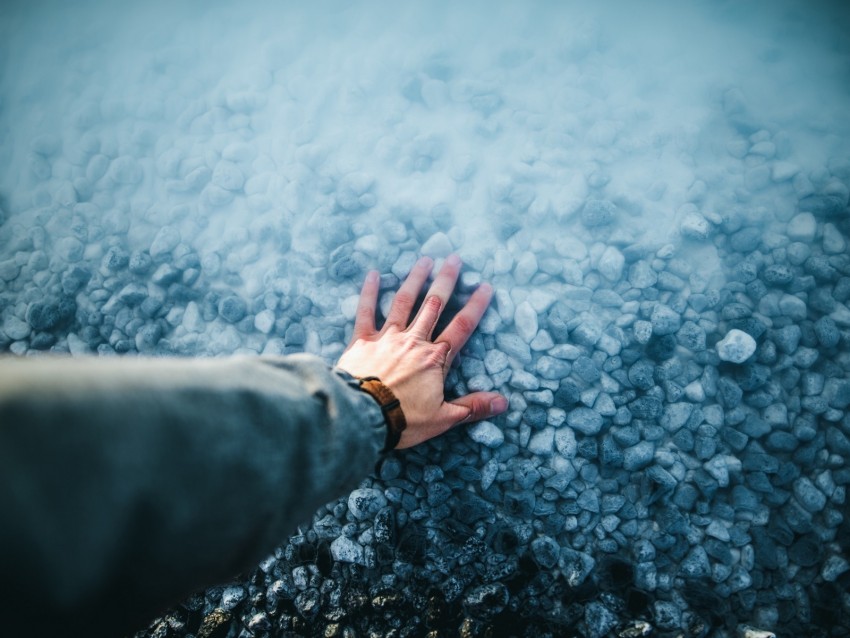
x=674, y=459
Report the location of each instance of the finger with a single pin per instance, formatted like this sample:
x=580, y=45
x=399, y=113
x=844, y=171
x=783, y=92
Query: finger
x=364, y=322
x=465, y=322
x=474, y=407
x=437, y=298
x=406, y=296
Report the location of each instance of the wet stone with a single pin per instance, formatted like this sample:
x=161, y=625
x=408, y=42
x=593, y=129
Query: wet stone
x=365, y=503
x=638, y=456
x=585, y=420
x=486, y=601
x=809, y=496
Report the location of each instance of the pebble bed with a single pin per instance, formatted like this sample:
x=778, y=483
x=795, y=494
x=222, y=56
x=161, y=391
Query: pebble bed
x=670, y=322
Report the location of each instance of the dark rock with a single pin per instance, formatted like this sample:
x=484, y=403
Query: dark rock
x=115, y=259
x=641, y=374
x=824, y=206
x=778, y=275
x=645, y=407
x=751, y=376
x=74, y=279
x=232, y=308
x=806, y=551
x=140, y=262
x=47, y=316
x=486, y=601
x=660, y=348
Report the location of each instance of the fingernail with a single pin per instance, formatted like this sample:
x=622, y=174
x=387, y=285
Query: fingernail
x=426, y=262
x=498, y=405
x=372, y=276
x=453, y=260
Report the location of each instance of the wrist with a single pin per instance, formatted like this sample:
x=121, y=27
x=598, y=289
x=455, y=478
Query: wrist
x=390, y=408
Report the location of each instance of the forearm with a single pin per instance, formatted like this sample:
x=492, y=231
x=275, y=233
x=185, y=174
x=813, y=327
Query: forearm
x=136, y=480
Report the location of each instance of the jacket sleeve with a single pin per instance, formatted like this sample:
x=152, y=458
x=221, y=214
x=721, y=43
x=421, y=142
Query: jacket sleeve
x=126, y=483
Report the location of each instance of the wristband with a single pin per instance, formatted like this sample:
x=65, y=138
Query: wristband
x=390, y=408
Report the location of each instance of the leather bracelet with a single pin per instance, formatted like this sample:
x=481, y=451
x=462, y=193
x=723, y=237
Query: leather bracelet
x=390, y=408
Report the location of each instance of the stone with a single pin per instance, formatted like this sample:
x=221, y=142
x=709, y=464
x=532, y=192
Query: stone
x=365, y=503
x=695, y=226
x=736, y=347
x=611, y=264
x=486, y=433
x=585, y=420
x=575, y=566
x=15, y=329
x=164, y=242
x=437, y=246
x=565, y=442
x=525, y=321
x=837, y=393
x=802, y=228
x=542, y=441
x=809, y=496
x=486, y=601
x=641, y=275
x=551, y=368
x=664, y=320
x=638, y=456
x=833, y=241
x=232, y=308
x=545, y=552
x=345, y=550
x=696, y=564
x=596, y=213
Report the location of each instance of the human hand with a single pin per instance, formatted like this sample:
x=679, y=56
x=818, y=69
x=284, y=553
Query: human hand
x=405, y=359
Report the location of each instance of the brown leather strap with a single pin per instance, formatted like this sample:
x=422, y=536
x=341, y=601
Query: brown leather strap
x=390, y=407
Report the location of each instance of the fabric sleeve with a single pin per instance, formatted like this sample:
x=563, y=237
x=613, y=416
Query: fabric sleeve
x=127, y=483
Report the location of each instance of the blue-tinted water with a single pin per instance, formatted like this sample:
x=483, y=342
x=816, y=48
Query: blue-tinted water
x=635, y=179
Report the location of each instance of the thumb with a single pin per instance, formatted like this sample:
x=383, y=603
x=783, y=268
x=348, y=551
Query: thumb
x=474, y=407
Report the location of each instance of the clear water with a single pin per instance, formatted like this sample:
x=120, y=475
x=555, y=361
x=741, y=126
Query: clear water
x=289, y=148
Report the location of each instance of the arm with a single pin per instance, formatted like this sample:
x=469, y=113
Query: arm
x=125, y=484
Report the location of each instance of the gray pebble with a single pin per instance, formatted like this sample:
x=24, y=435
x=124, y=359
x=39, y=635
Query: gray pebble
x=638, y=456
x=585, y=420
x=665, y=320
x=597, y=212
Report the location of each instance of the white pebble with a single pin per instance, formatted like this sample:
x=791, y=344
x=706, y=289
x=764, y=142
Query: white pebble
x=486, y=433
x=349, y=307
x=737, y=346
x=611, y=264
x=541, y=442
x=264, y=321
x=437, y=245
x=695, y=226
x=802, y=227
x=525, y=321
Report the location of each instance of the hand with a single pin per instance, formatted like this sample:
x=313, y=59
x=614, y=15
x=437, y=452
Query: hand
x=405, y=359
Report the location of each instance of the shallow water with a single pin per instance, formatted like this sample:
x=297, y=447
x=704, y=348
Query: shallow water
x=635, y=180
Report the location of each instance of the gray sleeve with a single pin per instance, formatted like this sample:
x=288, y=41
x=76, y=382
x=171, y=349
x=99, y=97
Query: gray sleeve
x=126, y=483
